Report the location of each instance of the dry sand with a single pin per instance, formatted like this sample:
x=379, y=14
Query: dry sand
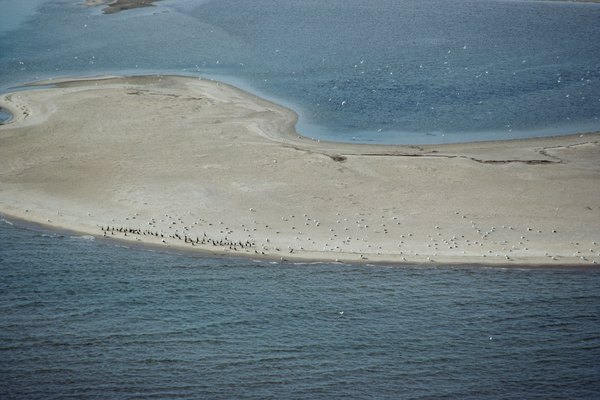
x=195, y=164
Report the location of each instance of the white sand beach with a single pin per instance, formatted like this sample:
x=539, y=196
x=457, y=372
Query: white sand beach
x=185, y=163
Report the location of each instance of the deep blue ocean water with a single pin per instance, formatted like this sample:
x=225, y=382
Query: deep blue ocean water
x=86, y=319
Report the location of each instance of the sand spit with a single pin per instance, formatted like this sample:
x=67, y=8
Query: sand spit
x=114, y=6
x=194, y=164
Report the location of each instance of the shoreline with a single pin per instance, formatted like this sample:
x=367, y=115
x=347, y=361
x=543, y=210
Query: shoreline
x=120, y=242
x=229, y=167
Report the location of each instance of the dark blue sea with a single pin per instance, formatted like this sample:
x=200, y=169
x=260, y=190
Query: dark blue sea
x=83, y=318
x=86, y=319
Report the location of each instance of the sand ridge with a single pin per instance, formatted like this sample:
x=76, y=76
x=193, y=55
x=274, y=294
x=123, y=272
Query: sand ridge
x=186, y=163
x=115, y=6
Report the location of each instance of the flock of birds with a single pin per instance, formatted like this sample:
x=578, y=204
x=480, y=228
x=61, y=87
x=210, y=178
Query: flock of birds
x=360, y=237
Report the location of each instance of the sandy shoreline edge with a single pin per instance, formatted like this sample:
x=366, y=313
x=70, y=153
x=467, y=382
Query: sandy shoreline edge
x=183, y=163
x=119, y=242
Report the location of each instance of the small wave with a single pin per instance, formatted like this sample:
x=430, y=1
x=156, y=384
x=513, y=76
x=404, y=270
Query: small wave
x=83, y=237
x=7, y=222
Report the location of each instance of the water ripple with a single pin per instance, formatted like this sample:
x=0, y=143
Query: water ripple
x=82, y=319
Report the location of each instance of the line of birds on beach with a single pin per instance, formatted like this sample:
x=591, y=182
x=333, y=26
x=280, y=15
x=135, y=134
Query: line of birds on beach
x=362, y=236
x=225, y=242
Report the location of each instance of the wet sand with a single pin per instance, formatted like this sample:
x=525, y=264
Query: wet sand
x=183, y=163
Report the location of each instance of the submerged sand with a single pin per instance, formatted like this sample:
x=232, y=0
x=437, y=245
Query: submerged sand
x=114, y=6
x=196, y=164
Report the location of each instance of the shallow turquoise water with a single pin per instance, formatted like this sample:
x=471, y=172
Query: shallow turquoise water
x=403, y=71
x=88, y=320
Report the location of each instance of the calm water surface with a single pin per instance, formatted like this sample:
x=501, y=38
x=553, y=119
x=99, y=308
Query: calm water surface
x=80, y=318
x=84, y=319
x=387, y=71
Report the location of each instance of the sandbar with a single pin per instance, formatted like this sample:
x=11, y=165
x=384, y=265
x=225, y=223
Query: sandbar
x=189, y=163
x=115, y=6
